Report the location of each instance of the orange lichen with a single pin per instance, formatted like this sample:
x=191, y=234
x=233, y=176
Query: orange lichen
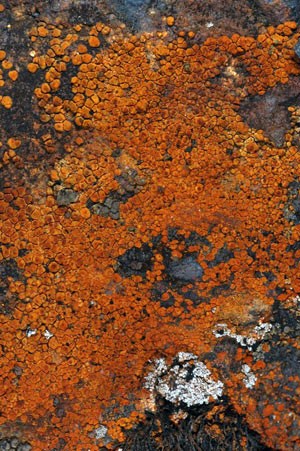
x=14, y=143
x=170, y=21
x=7, y=64
x=149, y=169
x=94, y=41
x=7, y=102
x=42, y=31
x=13, y=75
x=32, y=67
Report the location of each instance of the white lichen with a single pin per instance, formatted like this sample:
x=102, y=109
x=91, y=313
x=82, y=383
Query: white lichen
x=258, y=333
x=262, y=329
x=250, y=378
x=187, y=380
x=296, y=299
x=184, y=356
x=30, y=332
x=47, y=334
x=100, y=432
x=222, y=330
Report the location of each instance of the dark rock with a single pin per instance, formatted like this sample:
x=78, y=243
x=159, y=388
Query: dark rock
x=14, y=442
x=223, y=256
x=132, y=12
x=294, y=6
x=24, y=447
x=269, y=275
x=292, y=207
x=17, y=370
x=85, y=12
x=218, y=290
x=129, y=185
x=23, y=252
x=195, y=238
x=109, y=208
x=135, y=261
x=9, y=268
x=66, y=196
x=4, y=445
x=293, y=247
x=269, y=112
x=287, y=318
x=116, y=153
x=186, y=269
x=297, y=49
x=288, y=357
x=168, y=303
x=195, y=432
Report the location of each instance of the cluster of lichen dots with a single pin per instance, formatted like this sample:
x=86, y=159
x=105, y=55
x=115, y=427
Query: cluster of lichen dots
x=146, y=230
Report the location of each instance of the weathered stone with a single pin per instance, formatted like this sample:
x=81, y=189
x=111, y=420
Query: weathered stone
x=297, y=49
x=186, y=269
x=66, y=197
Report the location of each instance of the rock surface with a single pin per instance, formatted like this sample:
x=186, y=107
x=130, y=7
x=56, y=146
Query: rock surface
x=149, y=238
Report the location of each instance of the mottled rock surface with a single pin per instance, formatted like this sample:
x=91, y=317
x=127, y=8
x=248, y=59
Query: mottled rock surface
x=149, y=225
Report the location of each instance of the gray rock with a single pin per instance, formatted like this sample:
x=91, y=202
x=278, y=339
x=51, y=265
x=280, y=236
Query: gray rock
x=14, y=442
x=4, y=445
x=187, y=269
x=297, y=49
x=24, y=447
x=269, y=112
x=66, y=196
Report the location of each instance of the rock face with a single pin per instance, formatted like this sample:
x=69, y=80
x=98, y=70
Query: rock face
x=149, y=237
x=269, y=111
x=66, y=197
x=297, y=49
x=186, y=269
